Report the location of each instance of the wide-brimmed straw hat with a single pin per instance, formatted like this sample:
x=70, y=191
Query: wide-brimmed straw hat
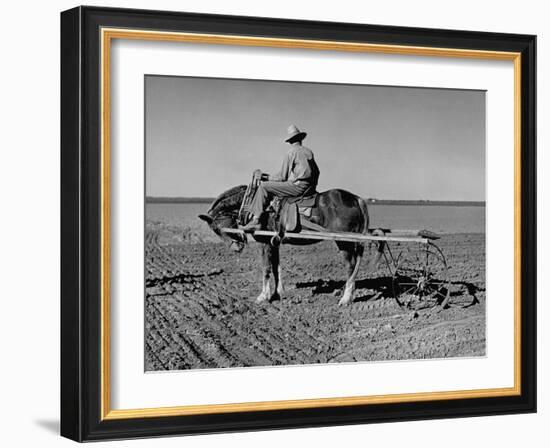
x=293, y=134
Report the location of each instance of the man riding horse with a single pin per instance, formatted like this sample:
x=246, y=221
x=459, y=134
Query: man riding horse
x=298, y=177
x=337, y=210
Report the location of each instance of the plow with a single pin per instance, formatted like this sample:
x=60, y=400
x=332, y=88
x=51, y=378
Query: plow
x=416, y=265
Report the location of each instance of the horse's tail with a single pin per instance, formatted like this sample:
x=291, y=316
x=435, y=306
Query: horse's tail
x=365, y=212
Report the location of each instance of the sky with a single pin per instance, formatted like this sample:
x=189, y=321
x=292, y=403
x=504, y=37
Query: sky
x=205, y=135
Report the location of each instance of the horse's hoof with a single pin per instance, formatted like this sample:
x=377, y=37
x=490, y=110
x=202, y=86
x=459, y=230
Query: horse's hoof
x=261, y=298
x=347, y=297
x=344, y=301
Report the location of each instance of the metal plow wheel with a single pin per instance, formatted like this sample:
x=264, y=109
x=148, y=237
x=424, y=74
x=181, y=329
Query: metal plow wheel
x=420, y=277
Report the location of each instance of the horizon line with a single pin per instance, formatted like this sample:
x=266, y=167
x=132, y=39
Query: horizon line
x=382, y=201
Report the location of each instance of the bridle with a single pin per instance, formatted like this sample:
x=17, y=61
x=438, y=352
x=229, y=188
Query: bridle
x=216, y=227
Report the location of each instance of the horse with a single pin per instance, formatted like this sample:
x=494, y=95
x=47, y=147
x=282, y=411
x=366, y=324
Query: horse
x=338, y=211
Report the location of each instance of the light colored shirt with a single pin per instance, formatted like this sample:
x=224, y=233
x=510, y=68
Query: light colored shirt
x=298, y=166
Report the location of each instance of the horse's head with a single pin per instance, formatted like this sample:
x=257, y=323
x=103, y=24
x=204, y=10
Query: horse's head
x=224, y=212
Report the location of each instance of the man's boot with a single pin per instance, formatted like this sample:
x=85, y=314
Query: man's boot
x=252, y=226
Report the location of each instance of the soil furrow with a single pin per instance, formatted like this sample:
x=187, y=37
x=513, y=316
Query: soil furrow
x=200, y=311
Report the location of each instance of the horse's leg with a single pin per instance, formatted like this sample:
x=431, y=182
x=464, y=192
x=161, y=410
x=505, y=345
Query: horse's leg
x=276, y=262
x=280, y=286
x=266, y=253
x=276, y=269
x=352, y=254
x=381, y=246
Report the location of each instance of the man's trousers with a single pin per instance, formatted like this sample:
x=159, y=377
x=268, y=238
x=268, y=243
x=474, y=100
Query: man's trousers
x=266, y=191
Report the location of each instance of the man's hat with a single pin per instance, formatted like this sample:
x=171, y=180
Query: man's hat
x=294, y=134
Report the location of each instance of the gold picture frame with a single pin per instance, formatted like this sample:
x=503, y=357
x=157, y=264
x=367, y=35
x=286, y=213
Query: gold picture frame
x=518, y=49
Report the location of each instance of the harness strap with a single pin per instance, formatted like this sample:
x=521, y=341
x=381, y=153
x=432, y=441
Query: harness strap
x=245, y=209
x=311, y=225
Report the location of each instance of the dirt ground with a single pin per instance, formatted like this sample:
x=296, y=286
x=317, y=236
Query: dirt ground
x=200, y=310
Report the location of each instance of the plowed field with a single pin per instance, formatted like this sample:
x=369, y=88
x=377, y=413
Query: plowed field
x=200, y=310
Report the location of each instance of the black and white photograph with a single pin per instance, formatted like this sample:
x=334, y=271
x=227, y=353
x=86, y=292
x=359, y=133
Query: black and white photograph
x=275, y=224
x=292, y=223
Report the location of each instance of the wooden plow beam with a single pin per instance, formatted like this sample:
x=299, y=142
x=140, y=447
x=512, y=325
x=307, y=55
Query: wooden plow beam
x=405, y=236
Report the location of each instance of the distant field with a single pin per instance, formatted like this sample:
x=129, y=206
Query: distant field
x=198, y=200
x=180, y=221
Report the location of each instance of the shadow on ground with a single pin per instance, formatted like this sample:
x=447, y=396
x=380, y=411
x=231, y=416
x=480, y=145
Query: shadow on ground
x=382, y=286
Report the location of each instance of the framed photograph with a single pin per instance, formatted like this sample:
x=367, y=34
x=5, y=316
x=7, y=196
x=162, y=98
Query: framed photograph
x=276, y=224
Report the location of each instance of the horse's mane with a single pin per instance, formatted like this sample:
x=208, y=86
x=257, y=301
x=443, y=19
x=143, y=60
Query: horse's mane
x=229, y=200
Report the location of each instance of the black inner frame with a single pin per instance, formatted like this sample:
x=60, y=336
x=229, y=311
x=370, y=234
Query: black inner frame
x=81, y=223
